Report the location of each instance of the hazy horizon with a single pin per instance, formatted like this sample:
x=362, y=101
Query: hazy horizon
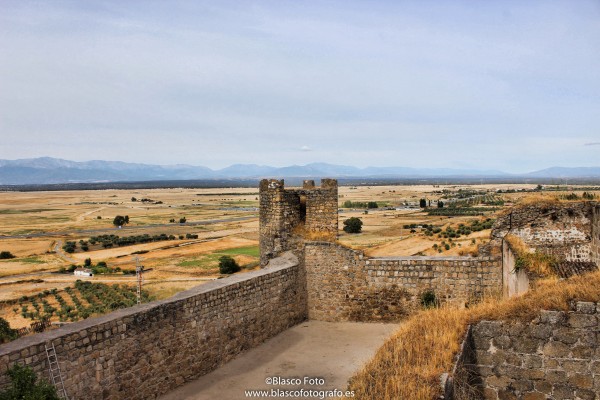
x=510, y=86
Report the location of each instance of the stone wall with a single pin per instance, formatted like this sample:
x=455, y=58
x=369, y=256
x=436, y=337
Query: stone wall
x=515, y=282
x=595, y=246
x=554, y=357
x=560, y=229
x=322, y=209
x=345, y=285
x=147, y=350
x=280, y=212
x=287, y=215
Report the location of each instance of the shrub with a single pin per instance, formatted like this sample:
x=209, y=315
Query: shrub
x=25, y=385
x=353, y=225
x=5, y=255
x=428, y=299
x=227, y=265
x=6, y=332
x=182, y=220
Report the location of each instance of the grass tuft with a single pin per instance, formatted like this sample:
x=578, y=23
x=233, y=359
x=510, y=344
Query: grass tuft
x=409, y=364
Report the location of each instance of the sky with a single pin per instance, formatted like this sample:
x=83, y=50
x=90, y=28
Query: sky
x=505, y=85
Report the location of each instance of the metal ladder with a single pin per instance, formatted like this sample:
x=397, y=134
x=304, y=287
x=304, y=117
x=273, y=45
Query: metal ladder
x=55, y=374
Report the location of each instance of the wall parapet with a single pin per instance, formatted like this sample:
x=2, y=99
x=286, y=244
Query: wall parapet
x=554, y=356
x=343, y=284
x=147, y=350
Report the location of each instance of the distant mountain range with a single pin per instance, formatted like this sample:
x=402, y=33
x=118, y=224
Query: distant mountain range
x=47, y=170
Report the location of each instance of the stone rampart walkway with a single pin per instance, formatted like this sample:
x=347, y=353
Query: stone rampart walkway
x=328, y=351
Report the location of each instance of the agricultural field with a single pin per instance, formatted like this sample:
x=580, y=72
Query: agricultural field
x=178, y=235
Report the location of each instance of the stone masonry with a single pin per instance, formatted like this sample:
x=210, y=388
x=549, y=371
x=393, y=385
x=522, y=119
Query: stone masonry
x=343, y=284
x=286, y=215
x=595, y=246
x=147, y=350
x=560, y=229
x=554, y=357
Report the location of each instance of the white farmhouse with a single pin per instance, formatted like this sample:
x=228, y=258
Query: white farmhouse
x=83, y=272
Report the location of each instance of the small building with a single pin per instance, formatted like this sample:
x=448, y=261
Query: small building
x=83, y=272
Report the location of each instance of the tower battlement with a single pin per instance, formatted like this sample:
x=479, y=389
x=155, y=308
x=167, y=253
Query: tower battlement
x=287, y=214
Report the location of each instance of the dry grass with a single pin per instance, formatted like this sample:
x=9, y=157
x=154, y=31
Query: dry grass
x=409, y=364
x=537, y=263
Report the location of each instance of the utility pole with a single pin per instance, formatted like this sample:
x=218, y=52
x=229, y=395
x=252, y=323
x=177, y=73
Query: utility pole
x=139, y=275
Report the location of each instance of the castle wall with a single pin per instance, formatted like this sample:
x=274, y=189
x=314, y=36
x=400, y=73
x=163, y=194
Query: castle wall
x=561, y=229
x=147, y=350
x=555, y=356
x=288, y=214
x=344, y=285
x=595, y=246
x=322, y=210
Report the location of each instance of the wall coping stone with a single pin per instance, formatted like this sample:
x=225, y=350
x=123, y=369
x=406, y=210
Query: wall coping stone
x=281, y=263
x=434, y=258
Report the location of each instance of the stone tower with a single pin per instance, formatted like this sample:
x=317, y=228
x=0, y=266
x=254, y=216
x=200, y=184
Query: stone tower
x=289, y=216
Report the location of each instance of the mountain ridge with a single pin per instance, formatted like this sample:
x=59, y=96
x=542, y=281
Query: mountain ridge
x=47, y=170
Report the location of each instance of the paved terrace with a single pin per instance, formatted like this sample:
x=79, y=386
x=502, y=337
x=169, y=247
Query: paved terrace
x=327, y=350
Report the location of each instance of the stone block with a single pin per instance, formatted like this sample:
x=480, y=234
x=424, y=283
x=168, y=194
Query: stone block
x=481, y=343
x=522, y=385
x=502, y=342
x=498, y=381
x=490, y=394
x=556, y=349
x=488, y=329
x=532, y=361
x=541, y=331
x=506, y=395
x=526, y=345
x=534, y=374
x=552, y=317
x=575, y=366
x=581, y=381
x=534, y=396
x=562, y=392
x=585, y=394
x=543, y=387
x=582, y=320
x=580, y=351
x=556, y=377
x=585, y=307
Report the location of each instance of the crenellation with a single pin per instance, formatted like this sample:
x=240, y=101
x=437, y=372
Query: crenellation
x=286, y=215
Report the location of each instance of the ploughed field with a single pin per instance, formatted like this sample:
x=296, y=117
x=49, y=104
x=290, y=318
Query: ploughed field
x=178, y=235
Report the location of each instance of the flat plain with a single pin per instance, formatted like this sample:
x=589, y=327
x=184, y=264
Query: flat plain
x=190, y=229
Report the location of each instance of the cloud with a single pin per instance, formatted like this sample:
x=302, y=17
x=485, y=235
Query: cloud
x=592, y=144
x=305, y=148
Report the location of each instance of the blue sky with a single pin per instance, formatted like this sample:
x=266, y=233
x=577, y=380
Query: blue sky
x=502, y=85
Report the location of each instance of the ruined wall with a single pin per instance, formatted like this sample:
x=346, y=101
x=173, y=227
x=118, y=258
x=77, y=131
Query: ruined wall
x=147, y=350
x=515, y=282
x=555, y=356
x=595, y=246
x=345, y=285
x=322, y=209
x=287, y=215
x=560, y=229
x=280, y=212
